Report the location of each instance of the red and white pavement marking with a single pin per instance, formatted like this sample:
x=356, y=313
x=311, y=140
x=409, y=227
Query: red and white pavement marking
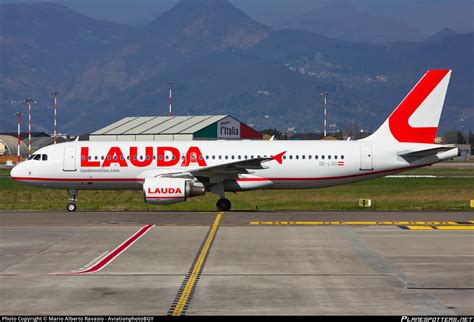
x=113, y=254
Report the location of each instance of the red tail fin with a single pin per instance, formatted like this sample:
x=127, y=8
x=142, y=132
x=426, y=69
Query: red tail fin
x=417, y=117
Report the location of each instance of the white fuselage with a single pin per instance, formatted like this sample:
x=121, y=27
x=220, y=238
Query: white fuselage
x=305, y=164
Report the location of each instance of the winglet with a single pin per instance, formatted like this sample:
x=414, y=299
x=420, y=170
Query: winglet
x=279, y=157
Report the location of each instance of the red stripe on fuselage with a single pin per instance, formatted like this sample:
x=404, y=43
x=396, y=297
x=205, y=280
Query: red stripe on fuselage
x=78, y=179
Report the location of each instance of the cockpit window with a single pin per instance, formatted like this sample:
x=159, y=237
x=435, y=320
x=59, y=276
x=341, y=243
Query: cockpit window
x=38, y=157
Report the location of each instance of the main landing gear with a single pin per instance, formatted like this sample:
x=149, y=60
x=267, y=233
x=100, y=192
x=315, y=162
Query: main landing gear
x=71, y=206
x=223, y=204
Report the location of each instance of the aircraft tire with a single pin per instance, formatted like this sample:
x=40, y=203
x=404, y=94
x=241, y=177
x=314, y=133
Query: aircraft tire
x=223, y=204
x=71, y=207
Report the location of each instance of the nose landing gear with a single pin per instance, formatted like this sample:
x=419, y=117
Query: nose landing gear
x=71, y=206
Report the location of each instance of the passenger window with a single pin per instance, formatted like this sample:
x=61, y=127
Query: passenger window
x=226, y=157
x=45, y=157
x=284, y=157
x=329, y=157
x=232, y=157
x=335, y=157
x=213, y=157
x=239, y=157
x=291, y=157
x=303, y=157
x=322, y=157
x=342, y=157
x=220, y=157
x=297, y=157
x=309, y=157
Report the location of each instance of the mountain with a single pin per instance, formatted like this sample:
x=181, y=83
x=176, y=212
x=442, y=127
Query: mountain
x=215, y=24
x=221, y=62
x=441, y=35
x=350, y=21
x=45, y=46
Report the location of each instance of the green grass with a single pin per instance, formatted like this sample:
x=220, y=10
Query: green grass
x=441, y=171
x=386, y=194
x=4, y=172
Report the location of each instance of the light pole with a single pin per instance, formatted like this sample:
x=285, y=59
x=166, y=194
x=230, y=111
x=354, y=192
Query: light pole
x=170, y=87
x=30, y=102
x=55, y=95
x=325, y=97
x=18, y=114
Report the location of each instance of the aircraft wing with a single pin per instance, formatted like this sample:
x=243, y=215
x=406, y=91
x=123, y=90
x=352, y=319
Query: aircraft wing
x=228, y=170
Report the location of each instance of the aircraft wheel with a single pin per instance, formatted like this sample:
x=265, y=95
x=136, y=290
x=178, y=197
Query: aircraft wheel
x=71, y=207
x=223, y=204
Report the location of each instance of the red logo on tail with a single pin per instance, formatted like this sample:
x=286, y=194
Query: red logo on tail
x=398, y=121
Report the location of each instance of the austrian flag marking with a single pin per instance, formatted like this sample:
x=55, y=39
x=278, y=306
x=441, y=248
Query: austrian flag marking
x=340, y=163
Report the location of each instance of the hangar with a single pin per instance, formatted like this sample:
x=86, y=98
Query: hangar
x=9, y=146
x=176, y=128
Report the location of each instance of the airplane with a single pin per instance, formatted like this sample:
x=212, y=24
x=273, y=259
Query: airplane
x=171, y=172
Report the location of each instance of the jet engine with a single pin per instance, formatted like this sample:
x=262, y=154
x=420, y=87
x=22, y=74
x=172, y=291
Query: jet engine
x=164, y=191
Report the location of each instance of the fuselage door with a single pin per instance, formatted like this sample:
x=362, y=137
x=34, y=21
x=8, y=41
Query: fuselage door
x=69, y=163
x=366, y=158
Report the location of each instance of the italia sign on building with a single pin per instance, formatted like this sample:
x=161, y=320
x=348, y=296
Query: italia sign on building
x=228, y=128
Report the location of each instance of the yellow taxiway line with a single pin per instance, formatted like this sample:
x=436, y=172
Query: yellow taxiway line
x=366, y=223
x=197, y=268
x=452, y=227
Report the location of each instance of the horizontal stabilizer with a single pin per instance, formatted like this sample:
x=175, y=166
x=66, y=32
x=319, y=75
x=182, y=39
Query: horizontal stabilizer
x=425, y=153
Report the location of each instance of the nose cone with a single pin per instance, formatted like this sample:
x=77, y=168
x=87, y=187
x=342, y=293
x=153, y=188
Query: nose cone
x=16, y=172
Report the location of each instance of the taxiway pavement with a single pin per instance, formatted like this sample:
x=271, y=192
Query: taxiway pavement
x=355, y=262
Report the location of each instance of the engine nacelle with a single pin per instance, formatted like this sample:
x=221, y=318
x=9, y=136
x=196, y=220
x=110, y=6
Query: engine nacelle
x=165, y=191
